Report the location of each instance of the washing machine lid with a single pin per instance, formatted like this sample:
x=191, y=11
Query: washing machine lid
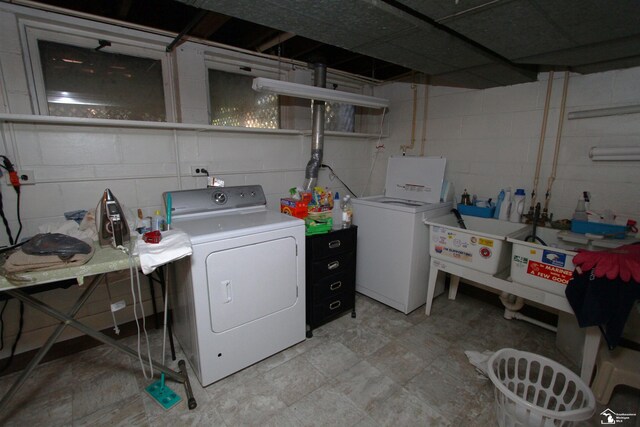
x=208, y=228
x=401, y=205
x=418, y=179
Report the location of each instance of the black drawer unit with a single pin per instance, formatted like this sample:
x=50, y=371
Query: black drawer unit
x=330, y=276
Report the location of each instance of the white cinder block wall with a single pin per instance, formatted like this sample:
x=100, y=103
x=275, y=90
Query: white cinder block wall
x=74, y=164
x=490, y=138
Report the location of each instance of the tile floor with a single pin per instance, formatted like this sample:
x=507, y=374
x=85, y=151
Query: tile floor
x=382, y=368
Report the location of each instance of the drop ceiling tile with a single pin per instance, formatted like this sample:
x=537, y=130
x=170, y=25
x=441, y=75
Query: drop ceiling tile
x=485, y=76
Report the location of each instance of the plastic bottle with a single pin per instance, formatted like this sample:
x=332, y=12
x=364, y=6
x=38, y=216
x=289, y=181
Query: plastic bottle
x=517, y=206
x=347, y=211
x=157, y=222
x=465, y=199
x=336, y=212
x=496, y=213
x=580, y=214
x=505, y=206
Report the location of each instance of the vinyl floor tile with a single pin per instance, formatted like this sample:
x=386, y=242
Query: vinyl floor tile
x=382, y=368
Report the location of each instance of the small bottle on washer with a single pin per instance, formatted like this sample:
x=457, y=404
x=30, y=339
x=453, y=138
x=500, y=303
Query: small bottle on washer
x=157, y=222
x=347, y=211
x=336, y=212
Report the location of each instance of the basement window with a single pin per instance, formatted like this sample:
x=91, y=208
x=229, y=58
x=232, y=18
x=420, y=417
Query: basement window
x=339, y=117
x=93, y=83
x=234, y=102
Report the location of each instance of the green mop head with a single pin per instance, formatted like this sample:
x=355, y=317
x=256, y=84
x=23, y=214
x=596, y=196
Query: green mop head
x=163, y=394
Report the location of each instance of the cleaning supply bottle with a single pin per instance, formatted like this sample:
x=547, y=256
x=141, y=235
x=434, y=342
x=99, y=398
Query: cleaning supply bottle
x=580, y=214
x=465, y=199
x=347, y=211
x=517, y=206
x=157, y=221
x=505, y=206
x=336, y=212
x=496, y=213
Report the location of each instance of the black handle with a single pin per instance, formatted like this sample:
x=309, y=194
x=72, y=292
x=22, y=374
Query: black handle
x=459, y=218
x=191, y=401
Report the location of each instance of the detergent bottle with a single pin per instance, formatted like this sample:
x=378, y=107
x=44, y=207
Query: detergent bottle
x=517, y=206
x=505, y=206
x=496, y=213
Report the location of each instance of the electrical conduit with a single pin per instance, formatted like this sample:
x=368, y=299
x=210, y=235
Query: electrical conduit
x=423, y=142
x=543, y=131
x=404, y=148
x=552, y=177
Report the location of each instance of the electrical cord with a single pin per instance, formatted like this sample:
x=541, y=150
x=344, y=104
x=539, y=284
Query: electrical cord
x=334, y=174
x=116, y=329
x=133, y=270
x=4, y=220
x=15, y=183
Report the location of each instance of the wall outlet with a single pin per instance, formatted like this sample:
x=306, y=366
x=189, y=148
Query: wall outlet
x=199, y=171
x=118, y=305
x=27, y=177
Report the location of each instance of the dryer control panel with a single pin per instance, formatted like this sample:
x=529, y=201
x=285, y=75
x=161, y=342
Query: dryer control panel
x=215, y=199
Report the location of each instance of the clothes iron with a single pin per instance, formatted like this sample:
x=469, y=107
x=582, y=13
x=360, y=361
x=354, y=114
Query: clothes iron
x=113, y=229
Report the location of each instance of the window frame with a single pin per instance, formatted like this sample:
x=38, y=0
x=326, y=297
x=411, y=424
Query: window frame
x=231, y=62
x=237, y=63
x=33, y=31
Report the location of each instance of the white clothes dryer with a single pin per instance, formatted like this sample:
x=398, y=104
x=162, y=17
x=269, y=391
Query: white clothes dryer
x=240, y=297
x=393, y=243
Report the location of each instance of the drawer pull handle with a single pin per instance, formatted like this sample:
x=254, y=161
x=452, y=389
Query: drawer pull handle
x=334, y=305
x=335, y=285
x=333, y=265
x=334, y=244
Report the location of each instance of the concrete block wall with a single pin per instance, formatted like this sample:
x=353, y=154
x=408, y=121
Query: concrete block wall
x=490, y=138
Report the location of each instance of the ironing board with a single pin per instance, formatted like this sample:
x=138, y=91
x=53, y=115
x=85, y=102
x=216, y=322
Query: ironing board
x=104, y=260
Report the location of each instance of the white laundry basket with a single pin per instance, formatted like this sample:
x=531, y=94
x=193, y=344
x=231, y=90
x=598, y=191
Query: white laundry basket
x=532, y=390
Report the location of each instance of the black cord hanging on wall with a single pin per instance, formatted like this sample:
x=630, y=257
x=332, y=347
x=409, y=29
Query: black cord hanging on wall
x=102, y=44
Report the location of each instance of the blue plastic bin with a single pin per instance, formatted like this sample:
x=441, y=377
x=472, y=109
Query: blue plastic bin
x=609, y=230
x=476, y=211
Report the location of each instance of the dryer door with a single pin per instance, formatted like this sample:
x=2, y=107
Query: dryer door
x=250, y=282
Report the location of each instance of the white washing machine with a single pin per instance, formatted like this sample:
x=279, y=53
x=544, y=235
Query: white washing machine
x=393, y=243
x=241, y=296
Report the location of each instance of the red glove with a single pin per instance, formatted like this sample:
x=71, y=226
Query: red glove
x=623, y=261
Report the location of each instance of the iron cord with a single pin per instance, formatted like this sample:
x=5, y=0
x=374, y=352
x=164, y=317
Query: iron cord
x=6, y=223
x=15, y=182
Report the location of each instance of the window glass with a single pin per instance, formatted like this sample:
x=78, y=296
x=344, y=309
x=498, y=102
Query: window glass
x=339, y=117
x=81, y=82
x=235, y=103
